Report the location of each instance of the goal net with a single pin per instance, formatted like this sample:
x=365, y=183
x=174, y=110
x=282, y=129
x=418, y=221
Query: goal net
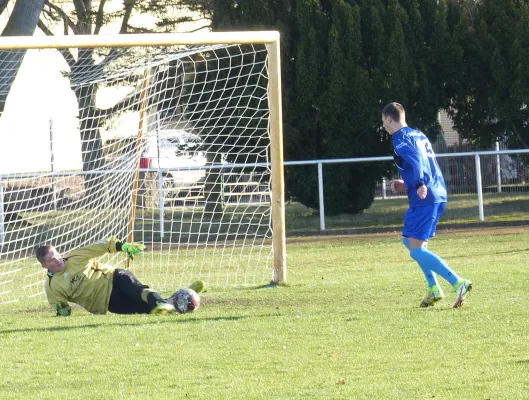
x=172, y=144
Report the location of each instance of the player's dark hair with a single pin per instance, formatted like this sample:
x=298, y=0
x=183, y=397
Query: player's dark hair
x=42, y=251
x=395, y=111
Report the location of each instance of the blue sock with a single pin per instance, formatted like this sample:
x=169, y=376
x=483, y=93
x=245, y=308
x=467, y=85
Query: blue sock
x=431, y=278
x=430, y=263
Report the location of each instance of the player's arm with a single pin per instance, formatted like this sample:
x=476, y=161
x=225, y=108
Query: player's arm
x=111, y=245
x=58, y=302
x=95, y=249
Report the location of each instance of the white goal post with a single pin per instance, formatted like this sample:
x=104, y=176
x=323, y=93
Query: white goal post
x=174, y=140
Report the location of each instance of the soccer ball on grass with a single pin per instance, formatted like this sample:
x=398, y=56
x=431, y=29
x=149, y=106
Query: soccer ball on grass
x=185, y=300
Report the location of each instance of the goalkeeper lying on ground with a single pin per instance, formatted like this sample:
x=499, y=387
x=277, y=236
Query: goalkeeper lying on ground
x=79, y=278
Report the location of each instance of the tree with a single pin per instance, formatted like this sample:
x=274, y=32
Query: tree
x=423, y=103
x=490, y=96
x=22, y=22
x=343, y=111
x=85, y=18
x=303, y=133
x=520, y=92
x=342, y=61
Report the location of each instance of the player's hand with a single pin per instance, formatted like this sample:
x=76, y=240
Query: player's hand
x=63, y=310
x=397, y=186
x=132, y=249
x=422, y=191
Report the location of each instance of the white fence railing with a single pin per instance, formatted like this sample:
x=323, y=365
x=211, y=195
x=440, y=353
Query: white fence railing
x=465, y=180
x=465, y=173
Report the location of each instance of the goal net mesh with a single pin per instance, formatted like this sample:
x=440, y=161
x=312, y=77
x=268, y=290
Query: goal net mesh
x=163, y=145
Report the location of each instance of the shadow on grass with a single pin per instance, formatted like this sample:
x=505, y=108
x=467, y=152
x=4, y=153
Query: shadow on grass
x=271, y=285
x=513, y=251
x=155, y=321
x=445, y=306
x=486, y=254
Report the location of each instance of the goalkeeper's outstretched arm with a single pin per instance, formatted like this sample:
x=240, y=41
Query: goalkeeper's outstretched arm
x=111, y=245
x=58, y=302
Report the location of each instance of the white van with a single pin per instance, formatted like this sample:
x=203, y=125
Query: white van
x=176, y=149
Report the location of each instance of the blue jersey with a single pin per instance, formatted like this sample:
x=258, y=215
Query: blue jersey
x=417, y=164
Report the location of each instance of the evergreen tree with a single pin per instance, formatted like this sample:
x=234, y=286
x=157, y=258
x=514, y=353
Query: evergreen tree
x=397, y=69
x=342, y=61
x=520, y=57
x=422, y=103
x=303, y=133
x=342, y=103
x=489, y=101
x=374, y=44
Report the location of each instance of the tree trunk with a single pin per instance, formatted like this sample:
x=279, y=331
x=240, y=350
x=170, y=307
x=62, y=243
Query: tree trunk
x=22, y=22
x=213, y=187
x=89, y=124
x=92, y=152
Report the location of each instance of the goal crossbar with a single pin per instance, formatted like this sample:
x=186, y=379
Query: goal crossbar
x=133, y=40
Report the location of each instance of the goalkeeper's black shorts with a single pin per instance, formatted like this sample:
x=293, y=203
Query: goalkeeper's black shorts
x=126, y=295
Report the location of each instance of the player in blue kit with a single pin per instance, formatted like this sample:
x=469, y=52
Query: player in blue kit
x=423, y=180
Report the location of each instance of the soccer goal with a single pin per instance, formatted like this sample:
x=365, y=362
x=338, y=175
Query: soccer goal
x=174, y=140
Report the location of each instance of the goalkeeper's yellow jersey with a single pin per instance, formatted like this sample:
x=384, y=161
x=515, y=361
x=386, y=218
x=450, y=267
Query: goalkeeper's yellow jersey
x=84, y=280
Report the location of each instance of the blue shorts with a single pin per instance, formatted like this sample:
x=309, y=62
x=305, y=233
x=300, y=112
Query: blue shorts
x=420, y=222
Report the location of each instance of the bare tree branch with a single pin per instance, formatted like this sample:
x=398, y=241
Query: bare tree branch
x=84, y=22
x=133, y=98
x=129, y=5
x=64, y=52
x=68, y=23
x=202, y=27
x=170, y=24
x=114, y=54
x=44, y=28
x=100, y=17
x=3, y=5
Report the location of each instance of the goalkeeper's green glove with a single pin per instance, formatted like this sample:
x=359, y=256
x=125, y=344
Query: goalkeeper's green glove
x=63, y=310
x=132, y=249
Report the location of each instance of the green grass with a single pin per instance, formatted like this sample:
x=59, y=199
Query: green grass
x=347, y=326
x=388, y=214
x=194, y=225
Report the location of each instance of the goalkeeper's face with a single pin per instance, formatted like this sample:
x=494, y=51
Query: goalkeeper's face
x=53, y=261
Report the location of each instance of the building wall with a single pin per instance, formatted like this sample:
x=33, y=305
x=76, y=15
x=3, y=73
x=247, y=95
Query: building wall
x=451, y=137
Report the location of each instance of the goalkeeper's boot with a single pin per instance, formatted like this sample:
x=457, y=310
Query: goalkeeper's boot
x=435, y=294
x=462, y=287
x=198, y=286
x=163, y=308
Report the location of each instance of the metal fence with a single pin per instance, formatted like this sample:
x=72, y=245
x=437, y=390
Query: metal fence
x=474, y=172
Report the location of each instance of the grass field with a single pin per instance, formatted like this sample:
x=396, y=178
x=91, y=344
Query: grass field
x=347, y=326
x=387, y=214
x=383, y=215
